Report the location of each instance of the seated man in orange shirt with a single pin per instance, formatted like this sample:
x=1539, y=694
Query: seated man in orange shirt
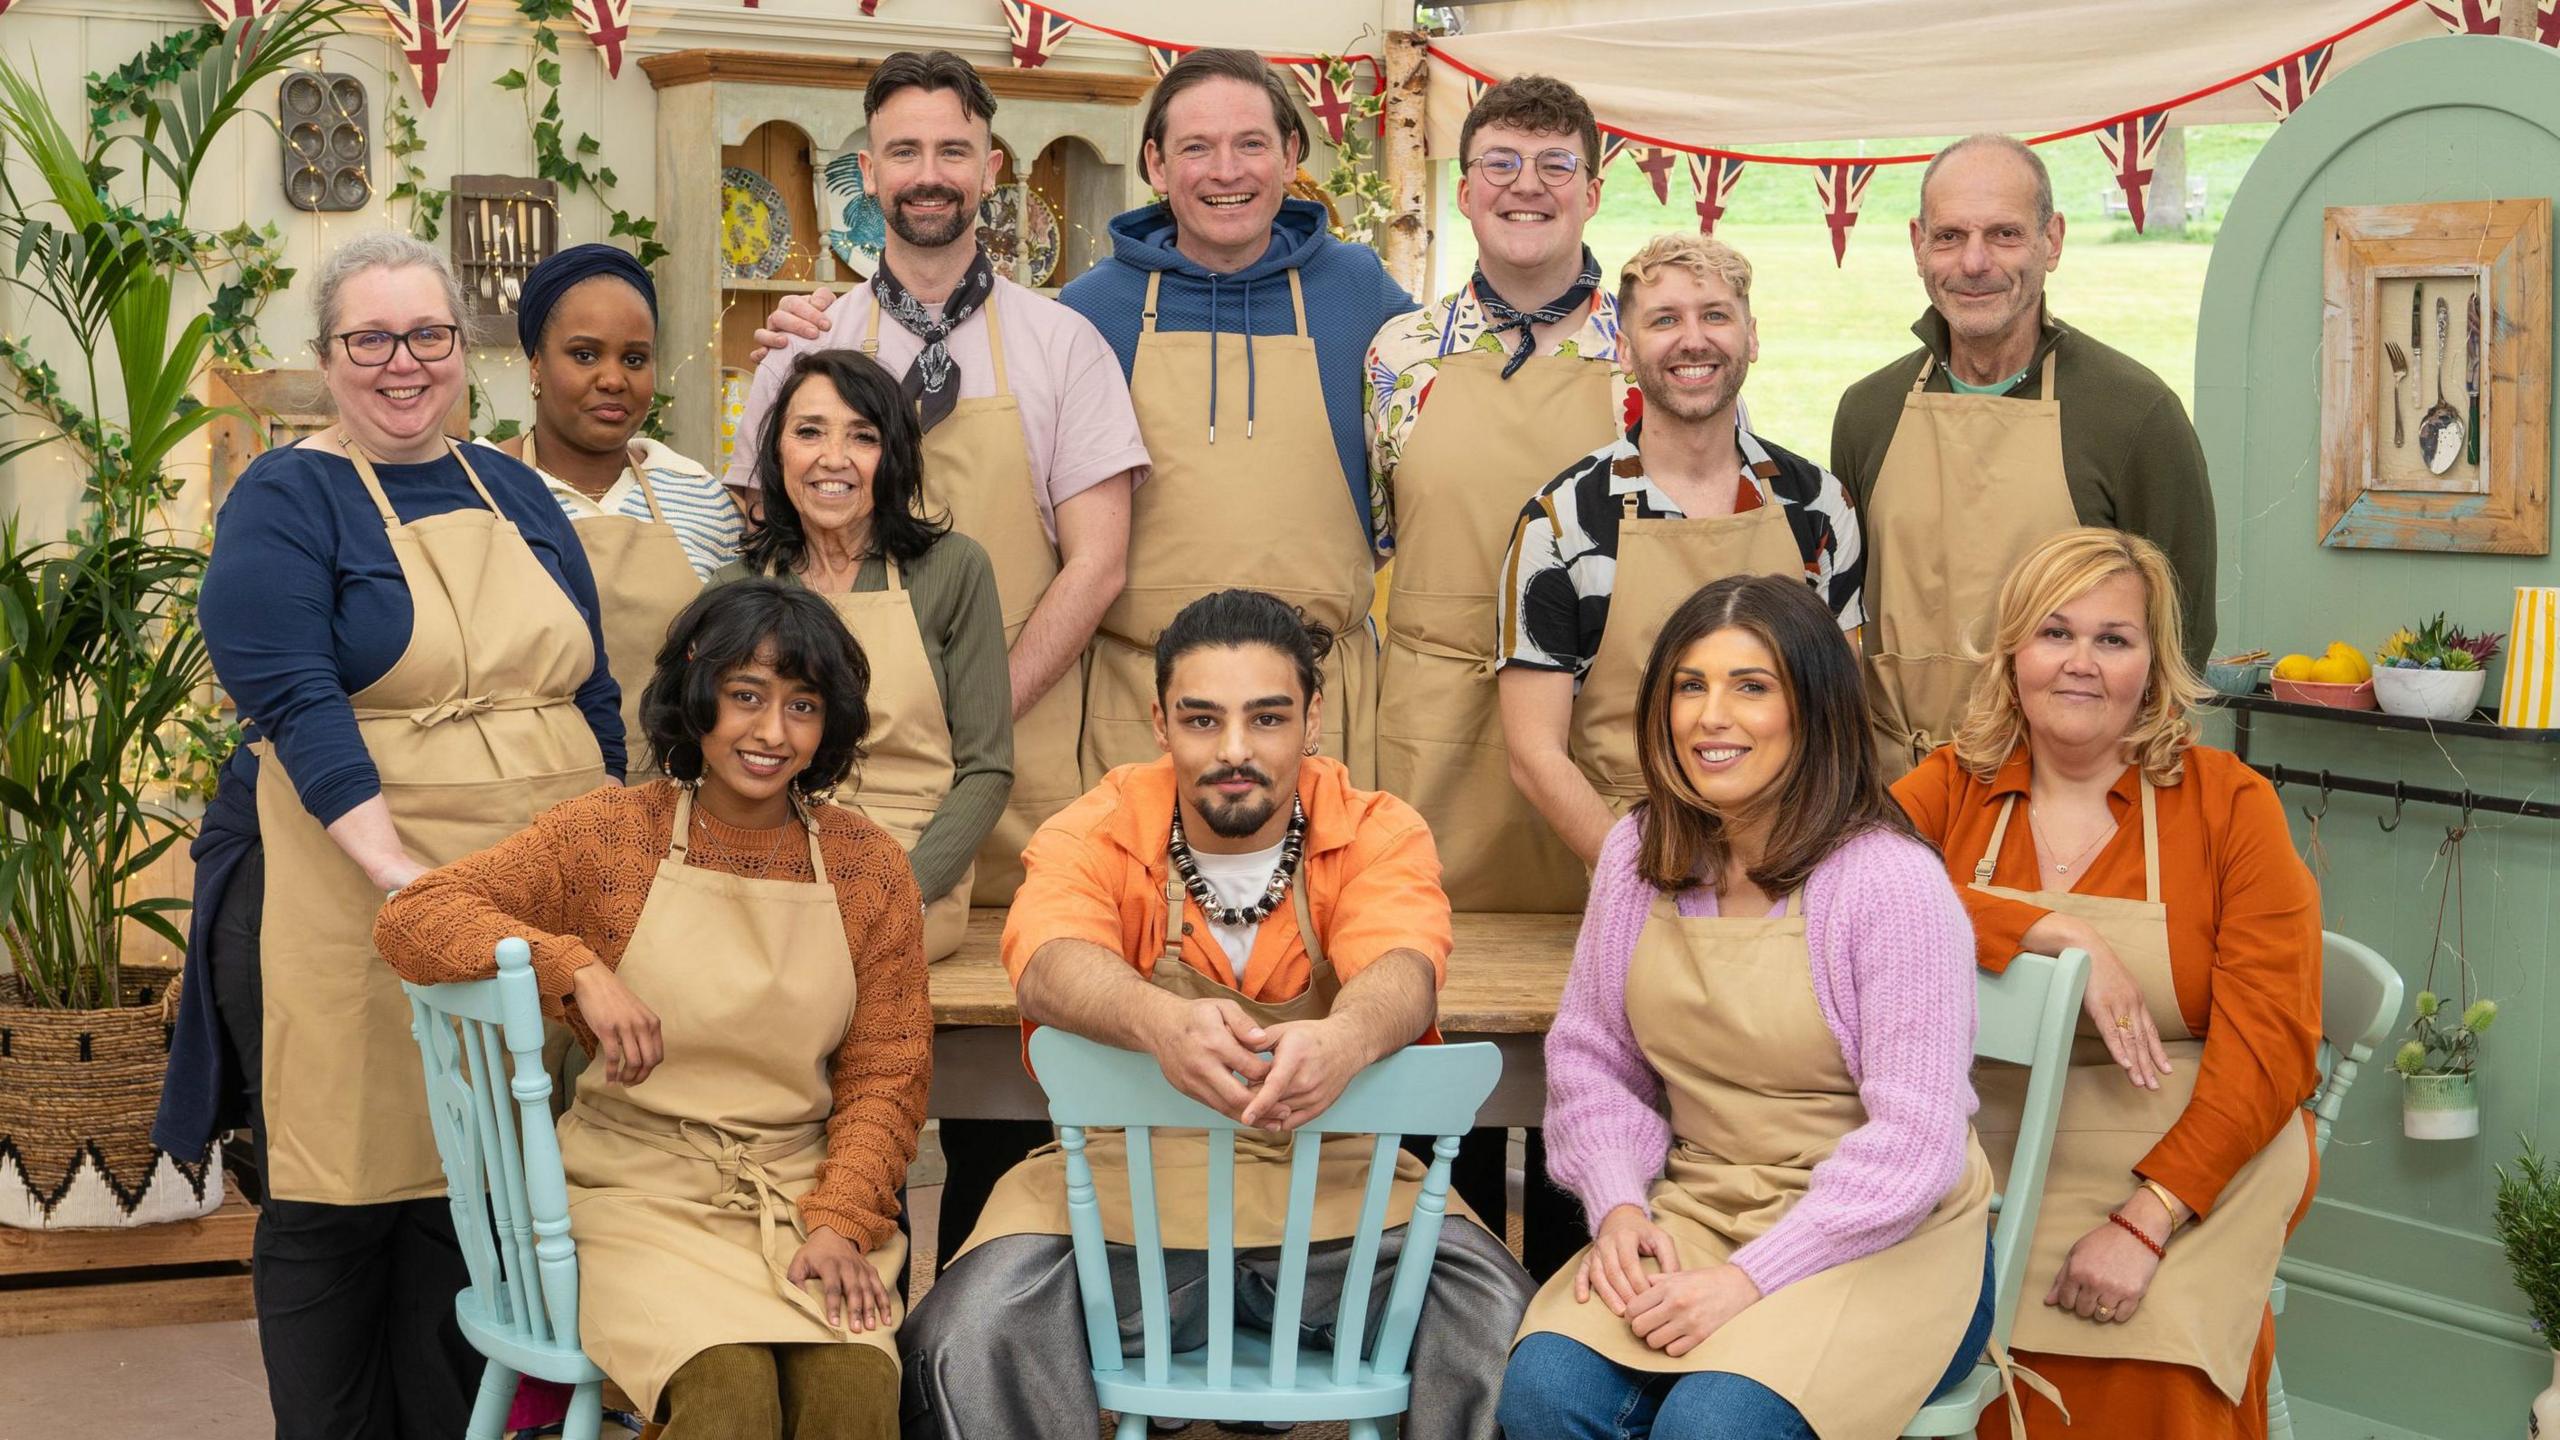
x=1306, y=923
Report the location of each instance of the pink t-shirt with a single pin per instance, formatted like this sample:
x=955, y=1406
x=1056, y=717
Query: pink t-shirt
x=1076, y=417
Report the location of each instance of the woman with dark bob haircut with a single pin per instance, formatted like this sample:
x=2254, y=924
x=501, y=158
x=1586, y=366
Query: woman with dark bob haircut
x=1771, y=960
x=840, y=464
x=746, y=965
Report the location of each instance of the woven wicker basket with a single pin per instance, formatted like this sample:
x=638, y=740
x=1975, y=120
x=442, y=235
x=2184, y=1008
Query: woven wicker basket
x=78, y=1090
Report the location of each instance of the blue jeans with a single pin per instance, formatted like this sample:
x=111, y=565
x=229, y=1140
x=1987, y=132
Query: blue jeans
x=1560, y=1389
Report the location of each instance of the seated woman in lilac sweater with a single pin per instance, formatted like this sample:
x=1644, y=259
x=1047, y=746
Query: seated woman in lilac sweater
x=1773, y=960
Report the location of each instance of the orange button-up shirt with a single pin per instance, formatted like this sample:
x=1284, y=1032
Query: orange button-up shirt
x=1096, y=873
x=2244, y=934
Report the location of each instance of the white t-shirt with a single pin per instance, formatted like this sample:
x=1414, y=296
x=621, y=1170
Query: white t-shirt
x=1240, y=881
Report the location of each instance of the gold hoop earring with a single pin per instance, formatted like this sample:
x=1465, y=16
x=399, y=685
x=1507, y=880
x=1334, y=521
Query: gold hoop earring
x=1311, y=749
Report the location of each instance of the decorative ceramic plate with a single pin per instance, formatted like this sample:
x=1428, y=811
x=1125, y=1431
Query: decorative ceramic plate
x=1020, y=233
x=1039, y=240
x=856, y=229
x=1000, y=228
x=755, y=226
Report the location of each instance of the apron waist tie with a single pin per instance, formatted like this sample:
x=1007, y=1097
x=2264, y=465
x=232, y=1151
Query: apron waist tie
x=1485, y=665
x=746, y=1187
x=2012, y=1375
x=461, y=706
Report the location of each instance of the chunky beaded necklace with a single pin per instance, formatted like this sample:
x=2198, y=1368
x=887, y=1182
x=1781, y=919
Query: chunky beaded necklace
x=1211, y=903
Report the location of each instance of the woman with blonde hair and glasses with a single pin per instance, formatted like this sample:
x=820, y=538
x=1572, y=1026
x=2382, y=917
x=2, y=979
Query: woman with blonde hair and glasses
x=2077, y=811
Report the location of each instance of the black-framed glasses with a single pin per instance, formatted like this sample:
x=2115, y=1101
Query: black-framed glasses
x=374, y=347
x=1502, y=165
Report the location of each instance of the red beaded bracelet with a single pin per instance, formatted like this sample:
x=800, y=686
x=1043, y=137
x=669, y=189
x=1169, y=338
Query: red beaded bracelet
x=2136, y=1232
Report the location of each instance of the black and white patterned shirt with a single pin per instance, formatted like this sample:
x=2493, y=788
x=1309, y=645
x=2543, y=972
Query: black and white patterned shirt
x=1564, y=551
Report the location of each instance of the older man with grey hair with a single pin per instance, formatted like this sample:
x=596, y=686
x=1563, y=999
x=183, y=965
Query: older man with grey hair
x=2005, y=426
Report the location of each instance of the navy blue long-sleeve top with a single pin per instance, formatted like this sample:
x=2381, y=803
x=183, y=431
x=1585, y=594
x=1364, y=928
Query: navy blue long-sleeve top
x=304, y=605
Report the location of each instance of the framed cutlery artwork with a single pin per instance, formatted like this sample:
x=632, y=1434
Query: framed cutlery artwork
x=502, y=226
x=2435, y=397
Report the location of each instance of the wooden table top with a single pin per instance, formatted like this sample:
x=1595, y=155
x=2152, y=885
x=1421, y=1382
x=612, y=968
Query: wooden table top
x=1505, y=974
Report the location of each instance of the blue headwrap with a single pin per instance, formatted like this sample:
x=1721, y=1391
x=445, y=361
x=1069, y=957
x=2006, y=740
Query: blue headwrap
x=552, y=278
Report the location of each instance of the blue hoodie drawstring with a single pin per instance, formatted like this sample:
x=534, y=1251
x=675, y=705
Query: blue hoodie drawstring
x=1252, y=392
x=1213, y=359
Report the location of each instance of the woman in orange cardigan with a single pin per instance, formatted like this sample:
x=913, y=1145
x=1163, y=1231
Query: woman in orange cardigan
x=2076, y=810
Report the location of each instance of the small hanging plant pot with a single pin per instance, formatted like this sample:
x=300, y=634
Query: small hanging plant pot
x=2440, y=1107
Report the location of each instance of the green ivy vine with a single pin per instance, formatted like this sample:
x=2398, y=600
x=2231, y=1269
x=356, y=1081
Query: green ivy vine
x=556, y=157
x=1355, y=178
x=403, y=144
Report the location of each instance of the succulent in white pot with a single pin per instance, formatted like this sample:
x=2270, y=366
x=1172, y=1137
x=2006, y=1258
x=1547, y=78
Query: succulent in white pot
x=2435, y=672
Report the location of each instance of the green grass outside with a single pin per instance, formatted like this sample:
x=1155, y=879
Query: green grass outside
x=1822, y=327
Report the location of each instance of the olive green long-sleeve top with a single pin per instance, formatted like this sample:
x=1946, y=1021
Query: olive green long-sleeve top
x=2129, y=453
x=952, y=588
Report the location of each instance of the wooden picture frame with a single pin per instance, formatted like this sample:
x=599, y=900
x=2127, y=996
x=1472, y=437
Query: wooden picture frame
x=2373, y=493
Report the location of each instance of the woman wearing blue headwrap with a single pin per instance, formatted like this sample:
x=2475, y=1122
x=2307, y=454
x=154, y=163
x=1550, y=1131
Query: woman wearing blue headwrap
x=654, y=523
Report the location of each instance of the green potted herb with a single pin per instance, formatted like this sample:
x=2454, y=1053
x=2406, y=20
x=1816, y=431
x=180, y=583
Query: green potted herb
x=2527, y=1215
x=2434, y=672
x=2439, y=1096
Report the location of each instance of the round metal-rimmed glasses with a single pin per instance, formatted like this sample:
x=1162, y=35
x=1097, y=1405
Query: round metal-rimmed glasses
x=1502, y=165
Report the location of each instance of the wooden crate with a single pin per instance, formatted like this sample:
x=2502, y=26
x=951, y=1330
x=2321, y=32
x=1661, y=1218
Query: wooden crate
x=177, y=1274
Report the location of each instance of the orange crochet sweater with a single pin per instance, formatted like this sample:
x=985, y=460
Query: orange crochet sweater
x=573, y=883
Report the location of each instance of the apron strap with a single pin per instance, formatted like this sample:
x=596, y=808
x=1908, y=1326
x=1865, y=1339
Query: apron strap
x=1172, y=918
x=680, y=839
x=429, y=716
x=2150, y=844
x=1173, y=898
x=2013, y=1375
x=1928, y=364
x=1297, y=304
x=471, y=475
x=2044, y=384
x=1155, y=284
x=639, y=479
x=373, y=482
x=995, y=342
x=889, y=574
x=1999, y=831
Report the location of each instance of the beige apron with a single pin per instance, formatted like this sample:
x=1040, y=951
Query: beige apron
x=684, y=1188
x=1724, y=1009
x=977, y=470
x=1031, y=1198
x=643, y=581
x=906, y=765
x=1271, y=511
x=1466, y=470
x=473, y=731
x=1970, y=484
x=1661, y=563
x=2205, y=1303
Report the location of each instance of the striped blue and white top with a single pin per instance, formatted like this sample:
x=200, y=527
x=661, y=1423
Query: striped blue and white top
x=706, y=521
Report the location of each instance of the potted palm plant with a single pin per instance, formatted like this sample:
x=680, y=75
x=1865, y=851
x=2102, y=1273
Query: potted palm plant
x=2527, y=1215
x=103, y=674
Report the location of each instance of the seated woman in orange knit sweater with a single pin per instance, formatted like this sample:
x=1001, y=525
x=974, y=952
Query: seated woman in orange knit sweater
x=747, y=966
x=2076, y=809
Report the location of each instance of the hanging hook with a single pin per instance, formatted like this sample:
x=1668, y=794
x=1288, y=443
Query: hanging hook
x=2315, y=816
x=2466, y=807
x=2398, y=799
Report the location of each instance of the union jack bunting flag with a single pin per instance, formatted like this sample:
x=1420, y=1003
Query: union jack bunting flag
x=1842, y=186
x=224, y=12
x=1035, y=31
x=2466, y=17
x=1612, y=145
x=1713, y=177
x=2547, y=24
x=1331, y=107
x=2286, y=86
x=426, y=29
x=1656, y=163
x=1162, y=57
x=1476, y=86
x=608, y=24
x=2131, y=146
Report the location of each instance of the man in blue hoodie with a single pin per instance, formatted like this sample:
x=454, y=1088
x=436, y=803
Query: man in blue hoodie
x=1243, y=324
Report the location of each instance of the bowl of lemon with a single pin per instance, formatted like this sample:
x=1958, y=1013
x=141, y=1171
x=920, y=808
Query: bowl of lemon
x=2341, y=679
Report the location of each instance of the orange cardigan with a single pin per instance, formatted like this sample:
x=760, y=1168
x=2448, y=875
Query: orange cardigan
x=2244, y=935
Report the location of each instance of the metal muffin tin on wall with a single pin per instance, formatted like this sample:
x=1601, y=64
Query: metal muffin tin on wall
x=324, y=122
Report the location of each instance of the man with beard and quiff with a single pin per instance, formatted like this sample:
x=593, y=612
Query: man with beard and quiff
x=1607, y=550
x=1236, y=908
x=2004, y=428
x=1030, y=445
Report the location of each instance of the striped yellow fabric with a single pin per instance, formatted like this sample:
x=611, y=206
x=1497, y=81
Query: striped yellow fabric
x=2531, y=699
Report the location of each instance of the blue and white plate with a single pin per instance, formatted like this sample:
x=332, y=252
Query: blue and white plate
x=856, y=229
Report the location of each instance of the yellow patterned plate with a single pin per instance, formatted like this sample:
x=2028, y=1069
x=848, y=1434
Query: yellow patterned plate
x=755, y=226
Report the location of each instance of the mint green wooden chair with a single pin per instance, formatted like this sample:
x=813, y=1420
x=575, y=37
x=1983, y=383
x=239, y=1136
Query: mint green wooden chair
x=2024, y=1015
x=1421, y=1090
x=503, y=1179
x=2359, y=1003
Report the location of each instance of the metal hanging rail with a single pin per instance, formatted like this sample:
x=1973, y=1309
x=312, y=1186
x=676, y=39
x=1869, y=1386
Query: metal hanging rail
x=2400, y=795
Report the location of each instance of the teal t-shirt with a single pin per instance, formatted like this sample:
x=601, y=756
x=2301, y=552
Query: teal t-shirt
x=1996, y=387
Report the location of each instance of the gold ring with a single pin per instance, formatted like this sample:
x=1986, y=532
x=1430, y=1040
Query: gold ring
x=2124, y=1022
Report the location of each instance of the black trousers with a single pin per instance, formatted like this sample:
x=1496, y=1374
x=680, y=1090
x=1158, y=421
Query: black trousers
x=355, y=1302
x=1551, y=1225
x=975, y=1155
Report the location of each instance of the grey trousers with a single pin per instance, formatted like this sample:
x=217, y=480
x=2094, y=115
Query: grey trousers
x=997, y=1348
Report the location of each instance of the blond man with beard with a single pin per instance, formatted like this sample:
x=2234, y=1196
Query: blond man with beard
x=1608, y=549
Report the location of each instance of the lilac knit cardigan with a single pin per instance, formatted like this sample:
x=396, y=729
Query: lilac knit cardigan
x=1893, y=970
